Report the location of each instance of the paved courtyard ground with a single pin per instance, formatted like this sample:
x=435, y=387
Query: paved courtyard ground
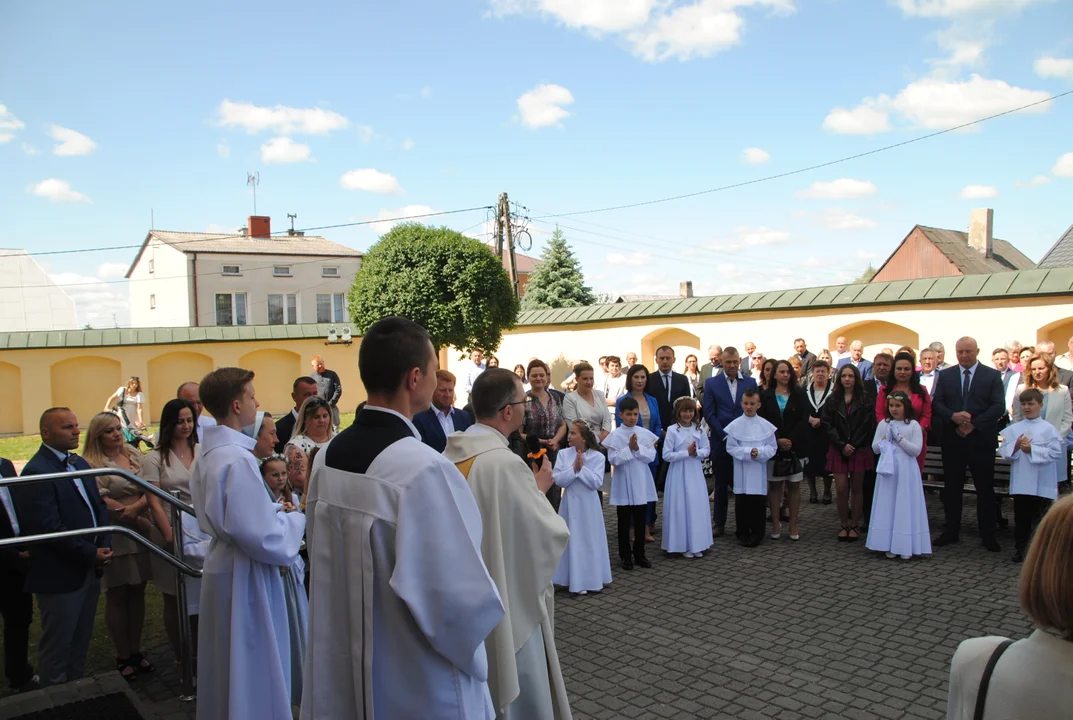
x=813, y=629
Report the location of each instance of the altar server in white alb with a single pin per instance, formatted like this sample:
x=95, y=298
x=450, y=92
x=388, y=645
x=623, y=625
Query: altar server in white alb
x=523, y=542
x=244, y=668
x=899, y=522
x=1033, y=446
x=751, y=443
x=400, y=600
x=631, y=449
x=687, y=522
x=579, y=469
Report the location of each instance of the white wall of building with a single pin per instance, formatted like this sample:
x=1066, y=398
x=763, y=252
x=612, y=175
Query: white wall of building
x=160, y=298
x=29, y=299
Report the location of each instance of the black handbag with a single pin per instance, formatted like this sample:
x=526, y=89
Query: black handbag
x=786, y=464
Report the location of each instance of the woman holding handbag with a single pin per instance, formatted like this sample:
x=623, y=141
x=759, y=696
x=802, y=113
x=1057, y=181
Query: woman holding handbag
x=784, y=405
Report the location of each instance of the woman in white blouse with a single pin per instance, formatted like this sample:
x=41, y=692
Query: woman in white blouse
x=587, y=406
x=169, y=467
x=314, y=425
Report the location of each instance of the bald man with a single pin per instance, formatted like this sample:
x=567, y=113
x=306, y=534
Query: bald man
x=189, y=391
x=967, y=405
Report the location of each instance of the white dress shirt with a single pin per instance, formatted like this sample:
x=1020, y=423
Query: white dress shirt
x=928, y=380
x=447, y=421
x=1064, y=361
x=205, y=421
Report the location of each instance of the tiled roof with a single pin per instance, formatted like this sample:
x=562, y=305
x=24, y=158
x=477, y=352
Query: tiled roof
x=191, y=242
x=1061, y=253
x=955, y=246
x=960, y=288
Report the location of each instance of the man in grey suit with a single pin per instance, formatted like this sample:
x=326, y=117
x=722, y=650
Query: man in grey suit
x=808, y=359
x=714, y=364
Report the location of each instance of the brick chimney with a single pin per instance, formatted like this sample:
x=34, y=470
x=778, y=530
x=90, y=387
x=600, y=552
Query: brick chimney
x=685, y=289
x=260, y=226
x=981, y=223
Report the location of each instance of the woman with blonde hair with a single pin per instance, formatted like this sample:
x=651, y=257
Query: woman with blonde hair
x=314, y=425
x=1040, y=373
x=128, y=401
x=125, y=577
x=994, y=677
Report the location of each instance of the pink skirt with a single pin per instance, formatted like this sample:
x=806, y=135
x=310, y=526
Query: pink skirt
x=861, y=461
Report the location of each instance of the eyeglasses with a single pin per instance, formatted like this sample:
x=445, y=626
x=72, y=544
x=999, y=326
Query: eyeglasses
x=528, y=399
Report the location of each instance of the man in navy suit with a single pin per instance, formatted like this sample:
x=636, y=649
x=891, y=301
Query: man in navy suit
x=666, y=386
x=856, y=358
x=65, y=574
x=16, y=605
x=968, y=403
x=442, y=419
x=722, y=403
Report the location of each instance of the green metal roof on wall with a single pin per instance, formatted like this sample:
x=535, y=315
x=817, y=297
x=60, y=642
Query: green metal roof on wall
x=159, y=336
x=993, y=286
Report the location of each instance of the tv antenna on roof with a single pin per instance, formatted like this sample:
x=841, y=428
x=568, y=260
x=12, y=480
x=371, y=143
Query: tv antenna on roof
x=253, y=179
x=292, y=216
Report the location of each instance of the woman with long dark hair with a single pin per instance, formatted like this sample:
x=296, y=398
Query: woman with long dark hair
x=636, y=381
x=850, y=419
x=783, y=404
x=169, y=466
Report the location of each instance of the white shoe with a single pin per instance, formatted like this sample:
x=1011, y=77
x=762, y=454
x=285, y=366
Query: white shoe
x=907, y=557
x=776, y=536
x=687, y=554
x=583, y=592
x=698, y=555
x=890, y=555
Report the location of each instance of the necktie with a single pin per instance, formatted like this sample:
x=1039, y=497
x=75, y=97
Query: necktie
x=965, y=385
x=667, y=386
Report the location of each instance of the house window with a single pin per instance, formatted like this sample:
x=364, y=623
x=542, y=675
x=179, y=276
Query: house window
x=282, y=309
x=231, y=270
x=231, y=309
x=152, y=266
x=329, y=272
x=330, y=307
x=281, y=271
x=152, y=302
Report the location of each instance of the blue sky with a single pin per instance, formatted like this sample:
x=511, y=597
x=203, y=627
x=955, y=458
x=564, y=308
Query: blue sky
x=354, y=111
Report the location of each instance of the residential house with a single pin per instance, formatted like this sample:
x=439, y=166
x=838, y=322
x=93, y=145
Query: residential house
x=29, y=299
x=184, y=279
x=932, y=252
x=1061, y=253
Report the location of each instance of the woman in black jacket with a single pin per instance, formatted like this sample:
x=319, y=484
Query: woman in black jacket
x=784, y=405
x=849, y=416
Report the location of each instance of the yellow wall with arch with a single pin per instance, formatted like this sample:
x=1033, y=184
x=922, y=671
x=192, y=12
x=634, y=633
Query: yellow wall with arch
x=11, y=405
x=167, y=372
x=83, y=384
x=876, y=335
x=270, y=367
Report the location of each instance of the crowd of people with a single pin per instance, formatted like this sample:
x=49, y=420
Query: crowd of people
x=435, y=535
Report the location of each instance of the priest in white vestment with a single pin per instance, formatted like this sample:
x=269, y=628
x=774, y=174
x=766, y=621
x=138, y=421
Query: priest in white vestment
x=400, y=601
x=524, y=540
x=243, y=647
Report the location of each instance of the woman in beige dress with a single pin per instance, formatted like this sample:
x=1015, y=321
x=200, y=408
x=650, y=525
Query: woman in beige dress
x=125, y=577
x=169, y=467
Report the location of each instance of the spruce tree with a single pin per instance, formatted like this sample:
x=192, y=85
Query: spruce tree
x=557, y=282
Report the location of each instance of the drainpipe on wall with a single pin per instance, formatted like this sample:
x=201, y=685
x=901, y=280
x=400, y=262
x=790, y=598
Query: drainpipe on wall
x=194, y=271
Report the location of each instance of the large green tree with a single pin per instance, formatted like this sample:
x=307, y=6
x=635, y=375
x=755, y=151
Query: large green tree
x=452, y=285
x=557, y=282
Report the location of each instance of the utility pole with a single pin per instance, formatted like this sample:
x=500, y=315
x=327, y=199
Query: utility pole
x=503, y=225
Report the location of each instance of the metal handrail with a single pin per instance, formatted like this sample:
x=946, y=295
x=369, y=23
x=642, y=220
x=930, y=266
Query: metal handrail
x=97, y=472
x=175, y=558
x=104, y=530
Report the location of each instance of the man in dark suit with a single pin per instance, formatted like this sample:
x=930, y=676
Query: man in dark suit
x=442, y=419
x=722, y=403
x=666, y=386
x=64, y=574
x=968, y=403
x=807, y=358
x=303, y=388
x=856, y=358
x=16, y=605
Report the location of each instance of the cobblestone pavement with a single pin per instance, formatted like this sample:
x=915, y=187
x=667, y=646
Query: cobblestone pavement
x=812, y=629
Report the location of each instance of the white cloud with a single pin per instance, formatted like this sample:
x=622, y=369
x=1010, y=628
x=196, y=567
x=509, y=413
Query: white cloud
x=978, y=192
x=965, y=45
x=387, y=221
x=425, y=93
x=70, y=142
x=57, y=191
x=837, y=219
x=635, y=259
x=365, y=133
x=861, y=120
x=279, y=119
x=98, y=302
x=408, y=144
x=1064, y=166
x=755, y=156
x=544, y=105
x=371, y=180
x=1049, y=67
x=223, y=149
x=951, y=8
x=1034, y=182
x=839, y=189
x=654, y=30
x=762, y=235
x=285, y=150
x=9, y=124
x=28, y=149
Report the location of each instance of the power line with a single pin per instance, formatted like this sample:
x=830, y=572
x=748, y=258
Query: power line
x=813, y=167
x=229, y=236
